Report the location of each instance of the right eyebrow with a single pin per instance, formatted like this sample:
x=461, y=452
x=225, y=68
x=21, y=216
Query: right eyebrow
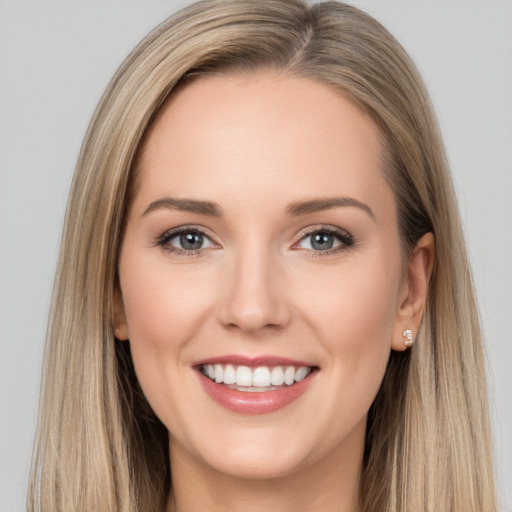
x=185, y=205
x=315, y=205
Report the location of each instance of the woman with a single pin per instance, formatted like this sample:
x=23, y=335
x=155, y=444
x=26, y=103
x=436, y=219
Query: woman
x=263, y=187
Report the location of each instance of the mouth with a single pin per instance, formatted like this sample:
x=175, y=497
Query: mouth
x=252, y=387
x=255, y=380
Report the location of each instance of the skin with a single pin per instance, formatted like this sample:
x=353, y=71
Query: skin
x=254, y=145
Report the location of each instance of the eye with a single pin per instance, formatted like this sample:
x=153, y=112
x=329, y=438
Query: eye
x=186, y=241
x=190, y=241
x=327, y=240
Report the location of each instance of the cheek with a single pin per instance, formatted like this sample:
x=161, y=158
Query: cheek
x=163, y=308
x=357, y=299
x=353, y=318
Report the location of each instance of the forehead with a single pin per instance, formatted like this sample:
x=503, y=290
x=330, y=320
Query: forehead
x=262, y=132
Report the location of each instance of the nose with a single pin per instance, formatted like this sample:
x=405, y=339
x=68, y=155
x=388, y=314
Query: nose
x=255, y=297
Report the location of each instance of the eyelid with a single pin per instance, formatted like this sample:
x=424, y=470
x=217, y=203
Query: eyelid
x=163, y=239
x=346, y=238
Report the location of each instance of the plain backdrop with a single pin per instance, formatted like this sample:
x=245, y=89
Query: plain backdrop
x=56, y=58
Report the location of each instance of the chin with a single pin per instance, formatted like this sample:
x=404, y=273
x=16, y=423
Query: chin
x=263, y=466
x=257, y=452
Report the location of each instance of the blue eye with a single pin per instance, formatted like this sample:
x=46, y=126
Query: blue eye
x=325, y=240
x=189, y=241
x=186, y=241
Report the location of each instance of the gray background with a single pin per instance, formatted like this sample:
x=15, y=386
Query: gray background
x=56, y=57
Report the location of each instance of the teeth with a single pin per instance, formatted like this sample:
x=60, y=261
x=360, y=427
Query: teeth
x=254, y=379
x=229, y=374
x=289, y=375
x=219, y=373
x=243, y=376
x=261, y=377
x=301, y=373
x=277, y=377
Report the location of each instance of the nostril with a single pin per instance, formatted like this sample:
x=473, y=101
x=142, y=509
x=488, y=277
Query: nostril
x=251, y=318
x=253, y=298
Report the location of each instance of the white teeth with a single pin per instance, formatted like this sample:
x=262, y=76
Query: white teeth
x=252, y=389
x=262, y=378
x=219, y=373
x=301, y=373
x=229, y=374
x=289, y=375
x=277, y=377
x=243, y=376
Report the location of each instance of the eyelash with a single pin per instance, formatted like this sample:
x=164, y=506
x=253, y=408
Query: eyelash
x=164, y=239
x=346, y=239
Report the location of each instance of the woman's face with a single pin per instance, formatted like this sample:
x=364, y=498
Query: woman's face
x=262, y=236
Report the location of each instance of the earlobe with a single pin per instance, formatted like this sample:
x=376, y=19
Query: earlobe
x=120, y=324
x=414, y=294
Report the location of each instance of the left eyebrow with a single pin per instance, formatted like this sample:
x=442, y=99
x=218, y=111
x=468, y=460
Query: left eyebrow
x=314, y=205
x=185, y=205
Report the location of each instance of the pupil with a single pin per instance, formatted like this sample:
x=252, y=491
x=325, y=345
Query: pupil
x=191, y=241
x=322, y=241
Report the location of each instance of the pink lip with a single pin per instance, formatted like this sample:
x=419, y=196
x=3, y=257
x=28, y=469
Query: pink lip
x=252, y=362
x=244, y=402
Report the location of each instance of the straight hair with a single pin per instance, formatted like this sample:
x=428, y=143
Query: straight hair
x=99, y=445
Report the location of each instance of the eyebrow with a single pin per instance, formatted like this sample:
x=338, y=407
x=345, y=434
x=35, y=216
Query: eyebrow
x=296, y=209
x=185, y=205
x=305, y=207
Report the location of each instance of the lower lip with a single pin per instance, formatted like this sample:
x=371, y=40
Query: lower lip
x=260, y=402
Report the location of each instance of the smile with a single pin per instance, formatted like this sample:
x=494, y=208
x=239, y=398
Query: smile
x=255, y=386
x=260, y=379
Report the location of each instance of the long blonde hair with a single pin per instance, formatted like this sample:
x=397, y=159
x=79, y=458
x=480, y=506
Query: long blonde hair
x=99, y=445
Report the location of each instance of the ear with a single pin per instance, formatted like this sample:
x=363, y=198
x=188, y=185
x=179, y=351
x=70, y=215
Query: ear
x=414, y=290
x=120, y=324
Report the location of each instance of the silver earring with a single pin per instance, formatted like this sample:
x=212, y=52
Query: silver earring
x=407, y=334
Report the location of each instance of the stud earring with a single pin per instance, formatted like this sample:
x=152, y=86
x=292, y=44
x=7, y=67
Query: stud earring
x=407, y=334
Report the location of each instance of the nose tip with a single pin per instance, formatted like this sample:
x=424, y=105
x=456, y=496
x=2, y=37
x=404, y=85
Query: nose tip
x=251, y=318
x=254, y=300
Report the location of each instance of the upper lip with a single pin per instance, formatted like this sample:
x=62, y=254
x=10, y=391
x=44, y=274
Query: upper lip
x=252, y=362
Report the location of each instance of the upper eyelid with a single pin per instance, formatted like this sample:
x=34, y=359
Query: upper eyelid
x=163, y=241
x=169, y=233
x=304, y=232
x=345, y=237
x=321, y=227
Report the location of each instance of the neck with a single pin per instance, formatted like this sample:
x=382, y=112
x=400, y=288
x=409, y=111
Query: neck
x=330, y=484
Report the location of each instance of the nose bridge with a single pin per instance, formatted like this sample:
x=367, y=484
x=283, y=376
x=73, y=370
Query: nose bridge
x=254, y=297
